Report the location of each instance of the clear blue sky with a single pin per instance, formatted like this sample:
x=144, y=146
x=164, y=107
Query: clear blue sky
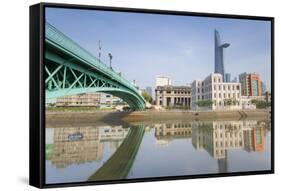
x=180, y=47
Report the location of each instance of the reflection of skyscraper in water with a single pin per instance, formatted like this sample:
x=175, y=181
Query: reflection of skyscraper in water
x=219, y=55
x=220, y=136
x=222, y=164
x=216, y=137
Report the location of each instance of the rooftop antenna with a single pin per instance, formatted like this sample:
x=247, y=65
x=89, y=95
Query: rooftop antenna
x=99, y=51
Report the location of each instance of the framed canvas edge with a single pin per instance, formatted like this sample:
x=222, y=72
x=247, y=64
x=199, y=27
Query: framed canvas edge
x=39, y=151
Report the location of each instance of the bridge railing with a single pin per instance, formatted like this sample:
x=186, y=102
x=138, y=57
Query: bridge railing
x=57, y=37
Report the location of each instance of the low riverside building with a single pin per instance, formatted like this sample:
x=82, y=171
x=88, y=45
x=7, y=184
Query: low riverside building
x=87, y=100
x=173, y=96
x=221, y=95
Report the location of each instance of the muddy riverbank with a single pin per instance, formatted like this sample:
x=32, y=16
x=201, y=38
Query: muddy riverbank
x=59, y=119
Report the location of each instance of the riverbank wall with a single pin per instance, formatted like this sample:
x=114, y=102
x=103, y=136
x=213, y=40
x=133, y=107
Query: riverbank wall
x=58, y=119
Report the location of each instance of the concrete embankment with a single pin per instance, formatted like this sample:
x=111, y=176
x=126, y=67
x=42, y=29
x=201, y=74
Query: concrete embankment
x=202, y=116
x=59, y=119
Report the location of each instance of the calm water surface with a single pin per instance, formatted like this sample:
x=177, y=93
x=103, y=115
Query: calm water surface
x=75, y=154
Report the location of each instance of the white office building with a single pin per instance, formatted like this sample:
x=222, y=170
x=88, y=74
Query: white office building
x=224, y=95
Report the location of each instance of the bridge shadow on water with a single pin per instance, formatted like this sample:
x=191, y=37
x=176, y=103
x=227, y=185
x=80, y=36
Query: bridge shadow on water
x=116, y=118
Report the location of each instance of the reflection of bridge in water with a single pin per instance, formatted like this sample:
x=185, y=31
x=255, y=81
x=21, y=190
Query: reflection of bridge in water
x=120, y=163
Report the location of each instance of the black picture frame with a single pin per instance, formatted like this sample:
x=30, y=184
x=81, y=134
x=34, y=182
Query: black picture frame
x=37, y=94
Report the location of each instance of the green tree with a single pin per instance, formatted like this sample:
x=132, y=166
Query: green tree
x=147, y=97
x=261, y=104
x=228, y=102
x=231, y=101
x=204, y=103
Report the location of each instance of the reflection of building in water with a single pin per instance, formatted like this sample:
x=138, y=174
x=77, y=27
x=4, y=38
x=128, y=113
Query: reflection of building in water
x=168, y=131
x=254, y=139
x=115, y=135
x=75, y=145
x=217, y=137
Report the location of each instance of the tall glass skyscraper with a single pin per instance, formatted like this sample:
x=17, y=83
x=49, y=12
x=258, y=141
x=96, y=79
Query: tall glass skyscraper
x=227, y=77
x=219, y=65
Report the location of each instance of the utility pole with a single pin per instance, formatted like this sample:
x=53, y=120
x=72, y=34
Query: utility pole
x=110, y=58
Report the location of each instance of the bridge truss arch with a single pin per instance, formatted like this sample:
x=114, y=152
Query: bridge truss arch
x=70, y=70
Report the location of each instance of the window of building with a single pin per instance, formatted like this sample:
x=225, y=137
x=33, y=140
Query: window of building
x=214, y=80
x=237, y=87
x=198, y=97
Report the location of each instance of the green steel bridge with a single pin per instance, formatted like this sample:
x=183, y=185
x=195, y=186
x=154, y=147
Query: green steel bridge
x=70, y=70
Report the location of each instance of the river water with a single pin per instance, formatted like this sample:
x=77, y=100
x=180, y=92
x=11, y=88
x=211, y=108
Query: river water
x=170, y=148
